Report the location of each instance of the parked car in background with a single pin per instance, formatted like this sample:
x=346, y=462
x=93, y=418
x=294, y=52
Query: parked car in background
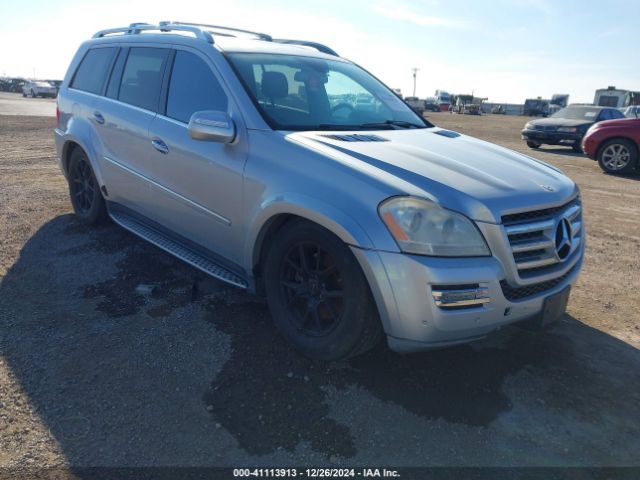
x=566, y=127
x=416, y=104
x=13, y=85
x=38, y=88
x=431, y=105
x=632, y=112
x=56, y=84
x=614, y=144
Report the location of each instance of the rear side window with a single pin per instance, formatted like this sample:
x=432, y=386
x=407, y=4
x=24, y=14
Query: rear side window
x=193, y=87
x=93, y=70
x=142, y=77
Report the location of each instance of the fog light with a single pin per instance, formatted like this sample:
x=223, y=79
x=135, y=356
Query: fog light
x=460, y=296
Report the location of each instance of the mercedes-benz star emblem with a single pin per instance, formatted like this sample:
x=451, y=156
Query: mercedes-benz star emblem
x=563, y=239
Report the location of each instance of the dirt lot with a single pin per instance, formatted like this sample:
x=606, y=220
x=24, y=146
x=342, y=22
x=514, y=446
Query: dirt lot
x=94, y=373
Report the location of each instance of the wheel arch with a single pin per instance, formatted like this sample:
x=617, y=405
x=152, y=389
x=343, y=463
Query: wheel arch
x=618, y=137
x=278, y=214
x=73, y=139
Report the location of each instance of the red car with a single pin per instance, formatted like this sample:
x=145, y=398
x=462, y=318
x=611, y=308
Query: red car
x=614, y=144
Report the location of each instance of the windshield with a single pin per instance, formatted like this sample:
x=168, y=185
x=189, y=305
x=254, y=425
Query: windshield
x=577, y=113
x=306, y=93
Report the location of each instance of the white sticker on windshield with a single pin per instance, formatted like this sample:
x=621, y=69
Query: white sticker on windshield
x=590, y=114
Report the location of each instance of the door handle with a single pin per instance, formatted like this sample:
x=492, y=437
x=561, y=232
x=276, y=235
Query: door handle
x=98, y=117
x=160, y=146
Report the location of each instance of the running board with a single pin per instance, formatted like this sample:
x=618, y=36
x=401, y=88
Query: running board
x=175, y=248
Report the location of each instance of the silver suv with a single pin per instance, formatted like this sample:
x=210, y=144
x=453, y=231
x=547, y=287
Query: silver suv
x=282, y=168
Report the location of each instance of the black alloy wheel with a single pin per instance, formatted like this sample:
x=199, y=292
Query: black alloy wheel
x=86, y=198
x=311, y=287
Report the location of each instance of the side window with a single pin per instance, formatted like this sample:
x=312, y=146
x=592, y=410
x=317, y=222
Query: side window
x=604, y=115
x=193, y=87
x=142, y=77
x=92, y=73
x=113, y=86
x=617, y=114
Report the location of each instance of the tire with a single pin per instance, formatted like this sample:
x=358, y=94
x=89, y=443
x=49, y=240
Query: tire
x=318, y=296
x=618, y=156
x=33, y=94
x=534, y=145
x=84, y=191
x=24, y=95
x=577, y=147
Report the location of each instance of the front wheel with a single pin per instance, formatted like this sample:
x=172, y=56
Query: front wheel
x=531, y=144
x=87, y=201
x=618, y=156
x=317, y=294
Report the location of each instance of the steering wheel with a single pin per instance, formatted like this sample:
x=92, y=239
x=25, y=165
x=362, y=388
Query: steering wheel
x=339, y=106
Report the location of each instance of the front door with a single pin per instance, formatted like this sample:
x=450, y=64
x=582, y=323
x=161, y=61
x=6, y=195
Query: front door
x=198, y=184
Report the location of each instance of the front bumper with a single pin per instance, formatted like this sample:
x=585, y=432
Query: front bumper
x=590, y=146
x=552, y=138
x=403, y=287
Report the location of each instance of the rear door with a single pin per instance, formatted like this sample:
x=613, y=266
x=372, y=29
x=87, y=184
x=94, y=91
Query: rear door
x=199, y=183
x=122, y=117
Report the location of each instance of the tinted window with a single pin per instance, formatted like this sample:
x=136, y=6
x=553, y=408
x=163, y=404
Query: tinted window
x=193, y=88
x=116, y=74
x=142, y=77
x=93, y=70
x=617, y=114
x=605, y=115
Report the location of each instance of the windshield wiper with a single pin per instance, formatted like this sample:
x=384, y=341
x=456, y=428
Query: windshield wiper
x=387, y=125
x=335, y=126
x=391, y=124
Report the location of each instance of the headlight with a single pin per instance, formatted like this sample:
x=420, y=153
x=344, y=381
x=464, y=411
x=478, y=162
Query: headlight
x=422, y=227
x=568, y=129
x=529, y=126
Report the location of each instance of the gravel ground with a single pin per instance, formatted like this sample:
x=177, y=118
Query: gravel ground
x=95, y=370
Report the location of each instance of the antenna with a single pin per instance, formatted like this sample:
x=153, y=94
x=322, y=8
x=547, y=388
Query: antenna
x=415, y=74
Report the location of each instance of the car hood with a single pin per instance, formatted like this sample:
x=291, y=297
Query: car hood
x=621, y=122
x=480, y=179
x=561, y=122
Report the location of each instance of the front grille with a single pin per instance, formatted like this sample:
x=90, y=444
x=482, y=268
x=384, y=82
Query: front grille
x=537, y=214
x=536, y=237
x=520, y=293
x=544, y=128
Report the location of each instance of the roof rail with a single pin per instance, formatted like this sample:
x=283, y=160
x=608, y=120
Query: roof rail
x=137, y=28
x=318, y=46
x=220, y=28
x=204, y=32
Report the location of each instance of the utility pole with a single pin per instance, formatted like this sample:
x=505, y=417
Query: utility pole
x=415, y=73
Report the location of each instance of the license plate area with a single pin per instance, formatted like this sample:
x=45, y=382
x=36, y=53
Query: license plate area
x=554, y=306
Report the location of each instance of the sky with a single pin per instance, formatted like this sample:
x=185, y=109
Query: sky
x=504, y=50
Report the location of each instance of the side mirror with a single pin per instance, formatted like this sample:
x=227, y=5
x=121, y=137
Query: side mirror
x=212, y=126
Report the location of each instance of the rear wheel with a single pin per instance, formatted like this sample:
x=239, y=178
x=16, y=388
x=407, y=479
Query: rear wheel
x=618, y=156
x=318, y=296
x=531, y=144
x=87, y=201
